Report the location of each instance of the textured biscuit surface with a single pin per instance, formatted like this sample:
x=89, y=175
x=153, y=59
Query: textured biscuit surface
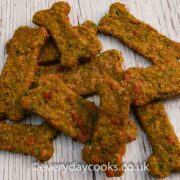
x=166, y=147
x=85, y=78
x=61, y=107
x=50, y=53
x=18, y=72
x=74, y=44
x=113, y=129
x=146, y=41
x=139, y=36
x=155, y=82
x=34, y=140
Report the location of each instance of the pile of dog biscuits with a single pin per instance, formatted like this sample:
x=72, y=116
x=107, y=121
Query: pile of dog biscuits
x=52, y=68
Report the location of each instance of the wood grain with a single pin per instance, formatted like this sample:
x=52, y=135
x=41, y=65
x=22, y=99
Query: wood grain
x=164, y=15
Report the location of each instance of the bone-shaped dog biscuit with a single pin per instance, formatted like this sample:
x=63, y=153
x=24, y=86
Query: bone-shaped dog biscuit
x=73, y=44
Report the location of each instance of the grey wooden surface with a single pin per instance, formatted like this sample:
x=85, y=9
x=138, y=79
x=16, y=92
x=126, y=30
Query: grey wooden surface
x=164, y=15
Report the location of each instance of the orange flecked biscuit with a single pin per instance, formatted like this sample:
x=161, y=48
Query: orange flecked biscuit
x=84, y=79
x=113, y=129
x=166, y=147
x=61, y=107
x=35, y=140
x=139, y=36
x=153, y=83
x=87, y=79
x=49, y=52
x=18, y=73
x=73, y=44
x=157, y=48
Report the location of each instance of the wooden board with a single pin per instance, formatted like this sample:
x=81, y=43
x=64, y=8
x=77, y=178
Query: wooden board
x=164, y=15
